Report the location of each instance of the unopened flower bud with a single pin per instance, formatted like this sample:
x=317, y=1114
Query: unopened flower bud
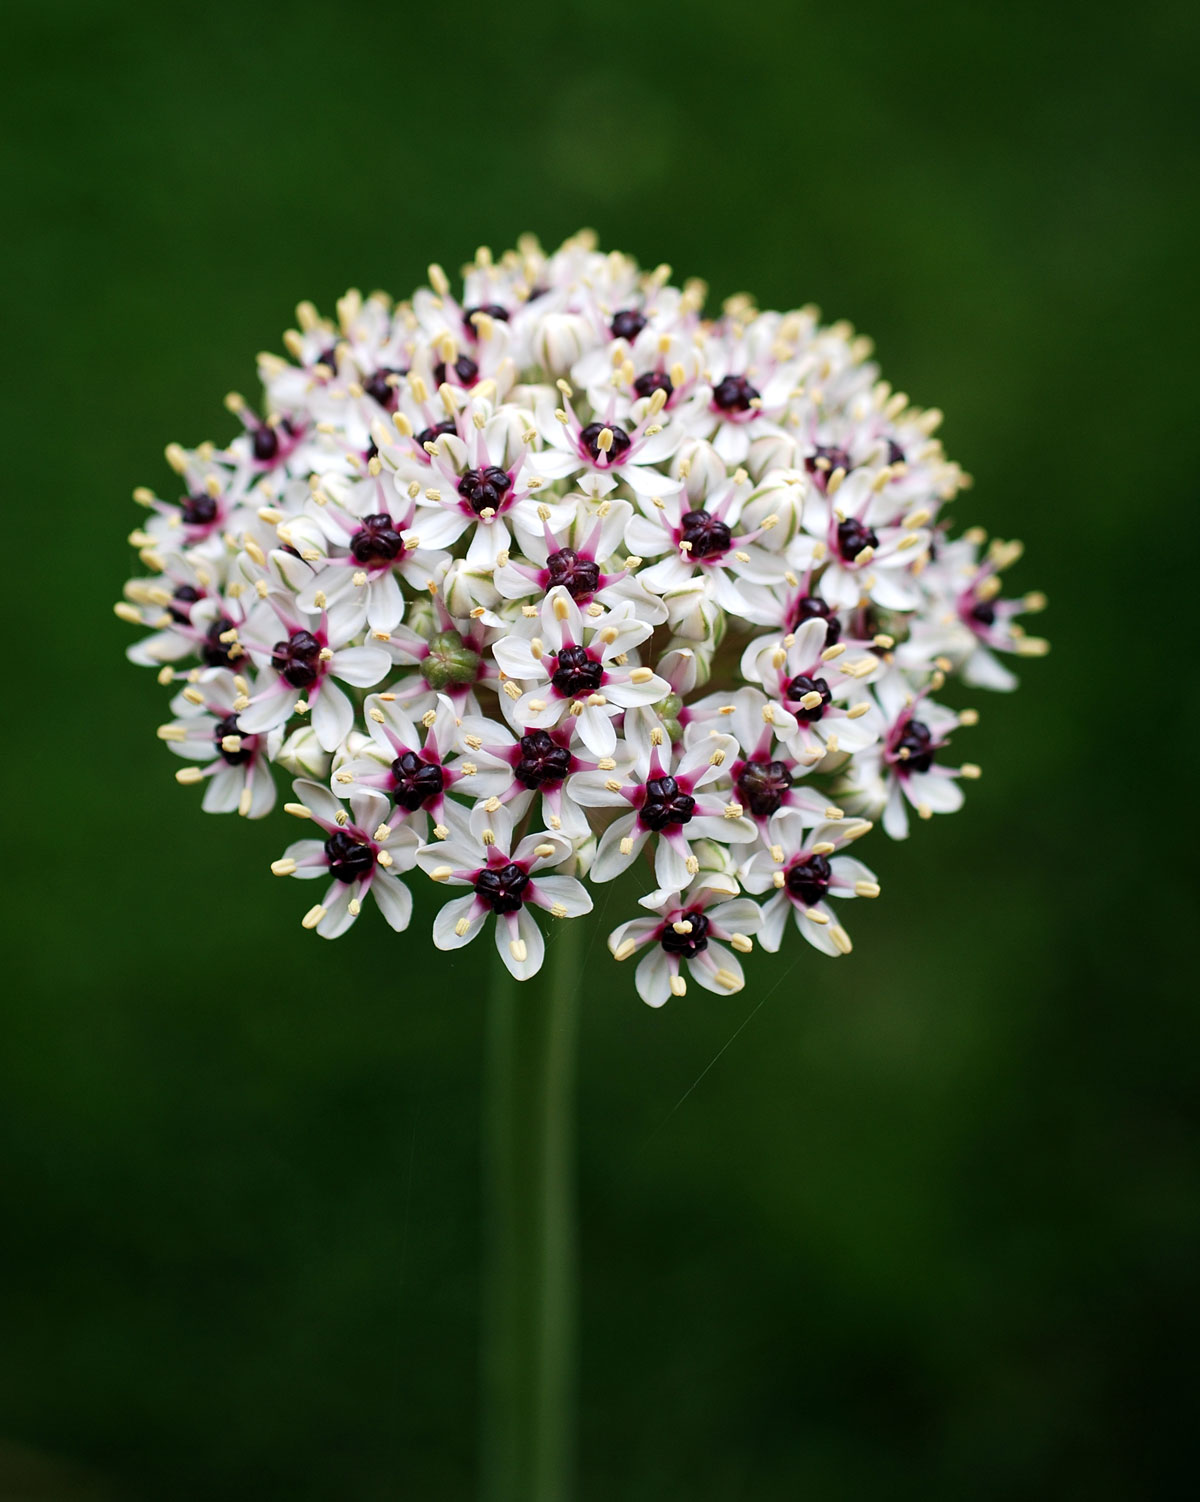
x=771, y=451
x=560, y=340
x=703, y=466
x=450, y=661
x=466, y=587
x=355, y=745
x=302, y=755
x=668, y=712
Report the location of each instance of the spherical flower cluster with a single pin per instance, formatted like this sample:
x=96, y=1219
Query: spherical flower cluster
x=555, y=577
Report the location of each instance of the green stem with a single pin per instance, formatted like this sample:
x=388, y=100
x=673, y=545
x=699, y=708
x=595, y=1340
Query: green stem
x=529, y=1322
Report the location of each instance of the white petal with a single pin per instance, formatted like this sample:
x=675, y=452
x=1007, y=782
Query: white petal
x=268, y=709
x=610, y=861
x=808, y=644
x=317, y=798
x=332, y=716
x=262, y=791
x=631, y=695
x=895, y=814
x=647, y=538
x=499, y=821
x=385, y=603
x=361, y=666
x=565, y=628
x=846, y=871
x=705, y=966
x=637, y=929
x=444, y=924
x=741, y=916
x=670, y=863
x=526, y=851
x=653, y=978
x=561, y=891
x=224, y=790
x=521, y=926
x=515, y=658
x=774, y=921
x=818, y=934
x=941, y=793
x=596, y=730
x=338, y=917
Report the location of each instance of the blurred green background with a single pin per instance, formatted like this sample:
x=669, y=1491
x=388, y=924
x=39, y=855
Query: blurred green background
x=928, y=1226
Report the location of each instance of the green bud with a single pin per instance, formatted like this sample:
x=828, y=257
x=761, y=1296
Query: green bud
x=668, y=711
x=450, y=661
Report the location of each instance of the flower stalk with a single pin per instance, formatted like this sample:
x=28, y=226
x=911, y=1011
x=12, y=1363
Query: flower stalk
x=528, y=1156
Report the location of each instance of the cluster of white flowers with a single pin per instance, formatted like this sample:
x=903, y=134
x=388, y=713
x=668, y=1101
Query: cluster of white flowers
x=528, y=585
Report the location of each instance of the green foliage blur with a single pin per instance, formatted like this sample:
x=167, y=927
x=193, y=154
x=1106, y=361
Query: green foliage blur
x=921, y=1223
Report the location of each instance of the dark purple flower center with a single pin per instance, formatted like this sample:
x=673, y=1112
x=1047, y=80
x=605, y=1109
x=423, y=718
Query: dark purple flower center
x=706, y=534
x=415, y=782
x=983, y=613
x=734, y=393
x=328, y=357
x=464, y=371
x=915, y=747
x=867, y=625
x=895, y=452
x=799, y=686
x=485, y=489
x=215, y=653
x=651, y=381
x=620, y=445
x=265, y=443
x=380, y=389
x=502, y=887
x=431, y=435
x=542, y=760
x=689, y=944
x=199, y=510
x=377, y=540
x=349, y=859
x=186, y=596
x=822, y=462
x=810, y=608
x=808, y=880
x=576, y=671
x=492, y=309
x=229, y=726
x=665, y=804
x=298, y=659
x=628, y=323
x=761, y=786
x=580, y=577
x=853, y=536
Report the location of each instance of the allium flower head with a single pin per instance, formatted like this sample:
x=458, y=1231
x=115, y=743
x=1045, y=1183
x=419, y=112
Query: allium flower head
x=555, y=576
